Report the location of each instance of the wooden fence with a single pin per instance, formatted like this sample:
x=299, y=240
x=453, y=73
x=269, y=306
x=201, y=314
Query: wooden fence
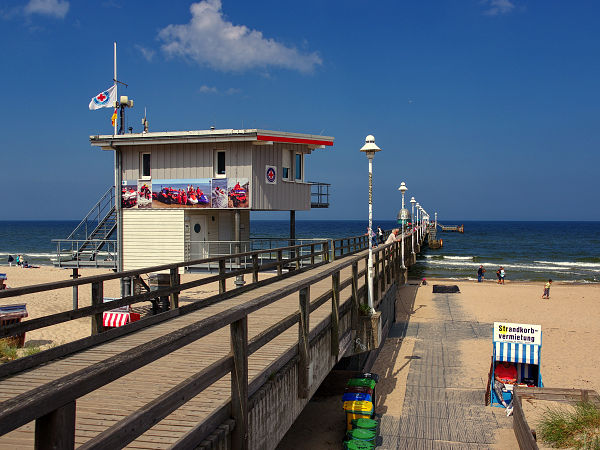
x=53, y=405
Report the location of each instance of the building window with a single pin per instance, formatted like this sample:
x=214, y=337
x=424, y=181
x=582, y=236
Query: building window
x=219, y=164
x=286, y=165
x=298, y=167
x=144, y=165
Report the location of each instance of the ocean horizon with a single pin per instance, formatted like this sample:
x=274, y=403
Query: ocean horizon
x=528, y=250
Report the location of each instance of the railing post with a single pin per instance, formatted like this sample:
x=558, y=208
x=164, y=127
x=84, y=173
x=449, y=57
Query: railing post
x=56, y=430
x=366, y=279
x=390, y=266
x=383, y=271
x=335, y=313
x=326, y=251
x=255, y=268
x=97, y=299
x=174, y=281
x=303, y=343
x=376, y=279
x=223, y=280
x=75, y=275
x=355, y=303
x=333, y=248
x=312, y=254
x=355, y=246
x=298, y=254
x=279, y=262
x=239, y=383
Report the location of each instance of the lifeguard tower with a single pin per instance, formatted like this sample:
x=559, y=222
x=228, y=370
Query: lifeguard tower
x=187, y=195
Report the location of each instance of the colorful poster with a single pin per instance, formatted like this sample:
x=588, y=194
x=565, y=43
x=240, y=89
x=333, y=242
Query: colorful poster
x=144, y=194
x=238, y=192
x=219, y=193
x=129, y=194
x=181, y=193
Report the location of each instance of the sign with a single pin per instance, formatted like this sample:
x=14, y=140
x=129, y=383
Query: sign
x=271, y=174
x=519, y=333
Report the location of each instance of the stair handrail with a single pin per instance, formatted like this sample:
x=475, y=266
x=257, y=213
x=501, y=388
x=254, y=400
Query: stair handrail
x=111, y=195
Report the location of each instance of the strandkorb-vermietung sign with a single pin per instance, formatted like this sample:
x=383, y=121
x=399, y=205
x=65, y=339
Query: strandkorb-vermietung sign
x=520, y=333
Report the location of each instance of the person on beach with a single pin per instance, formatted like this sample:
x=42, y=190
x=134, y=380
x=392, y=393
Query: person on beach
x=380, y=235
x=546, y=293
x=480, y=274
x=505, y=373
x=18, y=260
x=10, y=260
x=502, y=274
x=498, y=275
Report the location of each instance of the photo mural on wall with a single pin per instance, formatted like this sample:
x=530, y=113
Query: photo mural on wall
x=217, y=193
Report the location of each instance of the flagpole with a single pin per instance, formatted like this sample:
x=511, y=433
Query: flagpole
x=115, y=81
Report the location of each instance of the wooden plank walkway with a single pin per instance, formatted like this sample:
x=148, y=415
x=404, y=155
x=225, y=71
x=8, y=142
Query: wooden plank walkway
x=437, y=413
x=104, y=407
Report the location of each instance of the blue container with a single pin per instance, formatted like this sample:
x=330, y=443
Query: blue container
x=356, y=397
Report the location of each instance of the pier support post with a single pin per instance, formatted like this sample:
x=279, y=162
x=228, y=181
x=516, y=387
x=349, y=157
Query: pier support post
x=239, y=383
x=335, y=314
x=75, y=289
x=239, y=279
x=303, y=343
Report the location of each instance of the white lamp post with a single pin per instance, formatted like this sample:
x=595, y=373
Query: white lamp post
x=370, y=149
x=412, y=235
x=403, y=189
x=418, y=223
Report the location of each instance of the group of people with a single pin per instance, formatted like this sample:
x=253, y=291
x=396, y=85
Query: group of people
x=377, y=237
x=500, y=273
x=19, y=261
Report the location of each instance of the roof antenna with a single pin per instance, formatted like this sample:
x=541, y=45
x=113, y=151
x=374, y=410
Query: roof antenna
x=145, y=123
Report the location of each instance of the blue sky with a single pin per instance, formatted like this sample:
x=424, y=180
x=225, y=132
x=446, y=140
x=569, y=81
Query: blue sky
x=487, y=109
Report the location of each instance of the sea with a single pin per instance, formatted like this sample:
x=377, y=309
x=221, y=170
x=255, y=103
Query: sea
x=563, y=251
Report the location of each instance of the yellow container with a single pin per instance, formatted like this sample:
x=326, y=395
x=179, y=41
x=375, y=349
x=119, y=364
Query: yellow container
x=357, y=410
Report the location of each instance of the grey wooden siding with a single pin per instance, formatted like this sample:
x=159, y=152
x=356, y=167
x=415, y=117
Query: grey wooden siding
x=243, y=160
x=285, y=195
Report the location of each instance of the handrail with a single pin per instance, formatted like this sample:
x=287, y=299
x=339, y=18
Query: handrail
x=57, y=398
x=111, y=195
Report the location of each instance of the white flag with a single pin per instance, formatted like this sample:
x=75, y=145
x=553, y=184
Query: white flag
x=105, y=99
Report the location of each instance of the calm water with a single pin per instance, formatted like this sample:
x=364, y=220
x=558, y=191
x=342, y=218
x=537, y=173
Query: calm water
x=568, y=251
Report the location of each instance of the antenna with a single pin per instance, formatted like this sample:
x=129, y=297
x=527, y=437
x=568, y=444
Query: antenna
x=144, y=122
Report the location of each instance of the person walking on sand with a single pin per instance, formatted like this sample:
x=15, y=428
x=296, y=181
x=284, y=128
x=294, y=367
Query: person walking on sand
x=546, y=293
x=502, y=274
x=10, y=260
x=498, y=275
x=480, y=274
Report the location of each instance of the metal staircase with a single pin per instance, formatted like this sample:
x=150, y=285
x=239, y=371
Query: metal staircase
x=89, y=244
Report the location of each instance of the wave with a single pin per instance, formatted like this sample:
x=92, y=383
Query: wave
x=31, y=255
x=571, y=264
x=460, y=258
x=452, y=264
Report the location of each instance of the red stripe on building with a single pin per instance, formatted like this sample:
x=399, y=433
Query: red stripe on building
x=291, y=140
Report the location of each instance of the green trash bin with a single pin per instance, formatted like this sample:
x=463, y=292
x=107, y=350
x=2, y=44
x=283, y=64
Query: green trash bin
x=360, y=434
x=366, y=424
x=355, y=444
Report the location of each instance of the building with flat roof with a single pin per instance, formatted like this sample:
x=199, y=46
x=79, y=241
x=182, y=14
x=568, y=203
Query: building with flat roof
x=187, y=195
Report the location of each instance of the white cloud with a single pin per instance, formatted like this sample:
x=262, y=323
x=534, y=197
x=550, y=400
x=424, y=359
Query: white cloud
x=211, y=40
x=147, y=53
x=54, y=8
x=204, y=89
x=497, y=7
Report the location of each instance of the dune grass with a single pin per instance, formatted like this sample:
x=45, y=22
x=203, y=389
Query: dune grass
x=579, y=428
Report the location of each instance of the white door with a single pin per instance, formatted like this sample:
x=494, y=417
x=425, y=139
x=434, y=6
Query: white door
x=198, y=245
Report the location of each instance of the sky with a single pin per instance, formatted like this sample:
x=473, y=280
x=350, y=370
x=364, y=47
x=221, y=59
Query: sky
x=487, y=109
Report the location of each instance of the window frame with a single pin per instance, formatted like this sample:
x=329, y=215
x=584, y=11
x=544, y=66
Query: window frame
x=298, y=179
x=286, y=163
x=141, y=169
x=216, y=154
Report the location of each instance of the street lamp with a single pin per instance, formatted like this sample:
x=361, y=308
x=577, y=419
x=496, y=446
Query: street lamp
x=403, y=189
x=412, y=219
x=370, y=149
x=418, y=223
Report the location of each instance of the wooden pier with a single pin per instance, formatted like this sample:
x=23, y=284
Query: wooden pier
x=230, y=371
x=457, y=228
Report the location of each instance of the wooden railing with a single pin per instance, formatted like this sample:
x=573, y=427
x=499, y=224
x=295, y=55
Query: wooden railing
x=53, y=405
